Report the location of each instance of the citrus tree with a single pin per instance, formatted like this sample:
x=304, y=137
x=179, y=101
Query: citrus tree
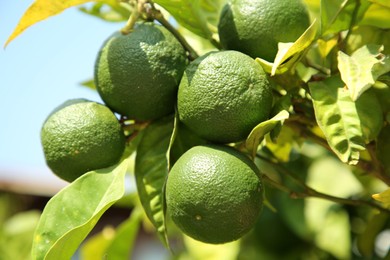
x=261, y=126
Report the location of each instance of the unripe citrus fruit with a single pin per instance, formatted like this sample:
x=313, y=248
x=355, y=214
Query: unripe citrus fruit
x=80, y=136
x=223, y=95
x=214, y=194
x=256, y=27
x=137, y=75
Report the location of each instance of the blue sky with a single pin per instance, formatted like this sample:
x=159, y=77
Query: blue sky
x=39, y=70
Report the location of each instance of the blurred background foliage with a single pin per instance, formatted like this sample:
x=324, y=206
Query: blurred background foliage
x=291, y=227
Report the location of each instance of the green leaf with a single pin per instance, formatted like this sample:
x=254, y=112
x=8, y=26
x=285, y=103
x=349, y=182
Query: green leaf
x=89, y=84
x=377, y=15
x=16, y=233
x=370, y=114
x=258, y=132
x=95, y=247
x=113, y=243
x=72, y=213
x=384, y=3
x=365, y=34
x=109, y=10
x=281, y=147
x=366, y=240
x=329, y=221
x=123, y=242
x=325, y=46
x=200, y=251
x=41, y=10
x=360, y=70
x=289, y=53
x=184, y=140
x=288, y=50
x=337, y=15
x=199, y=44
x=199, y=16
x=337, y=116
x=151, y=169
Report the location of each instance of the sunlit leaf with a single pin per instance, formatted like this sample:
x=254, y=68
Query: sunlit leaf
x=385, y=3
x=383, y=197
x=305, y=73
x=123, y=242
x=200, y=251
x=258, y=132
x=337, y=116
x=72, y=213
x=89, y=84
x=288, y=50
x=282, y=146
x=360, y=70
x=16, y=233
x=199, y=16
x=199, y=44
x=378, y=15
x=95, y=247
x=368, y=34
x=151, y=169
x=329, y=225
x=40, y=10
x=325, y=46
x=337, y=15
x=328, y=221
x=109, y=10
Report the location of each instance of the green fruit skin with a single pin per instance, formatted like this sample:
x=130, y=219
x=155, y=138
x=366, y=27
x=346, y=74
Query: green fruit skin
x=80, y=136
x=214, y=194
x=223, y=95
x=137, y=75
x=256, y=27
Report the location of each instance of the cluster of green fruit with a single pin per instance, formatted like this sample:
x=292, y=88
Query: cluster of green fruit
x=214, y=192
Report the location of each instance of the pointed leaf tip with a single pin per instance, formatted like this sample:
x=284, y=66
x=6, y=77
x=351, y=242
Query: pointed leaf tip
x=40, y=10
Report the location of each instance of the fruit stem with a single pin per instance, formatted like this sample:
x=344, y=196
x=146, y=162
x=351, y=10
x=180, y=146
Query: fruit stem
x=128, y=28
x=157, y=15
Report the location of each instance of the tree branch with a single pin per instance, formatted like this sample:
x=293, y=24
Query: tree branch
x=315, y=194
x=310, y=192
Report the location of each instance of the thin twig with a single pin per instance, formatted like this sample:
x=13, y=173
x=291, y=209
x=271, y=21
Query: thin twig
x=157, y=15
x=372, y=167
x=378, y=169
x=128, y=28
x=352, y=24
x=315, y=194
x=310, y=192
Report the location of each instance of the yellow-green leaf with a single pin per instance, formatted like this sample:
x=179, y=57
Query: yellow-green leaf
x=377, y=15
x=338, y=118
x=258, y=133
x=360, y=70
x=288, y=50
x=40, y=10
x=200, y=16
x=381, y=2
x=383, y=197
